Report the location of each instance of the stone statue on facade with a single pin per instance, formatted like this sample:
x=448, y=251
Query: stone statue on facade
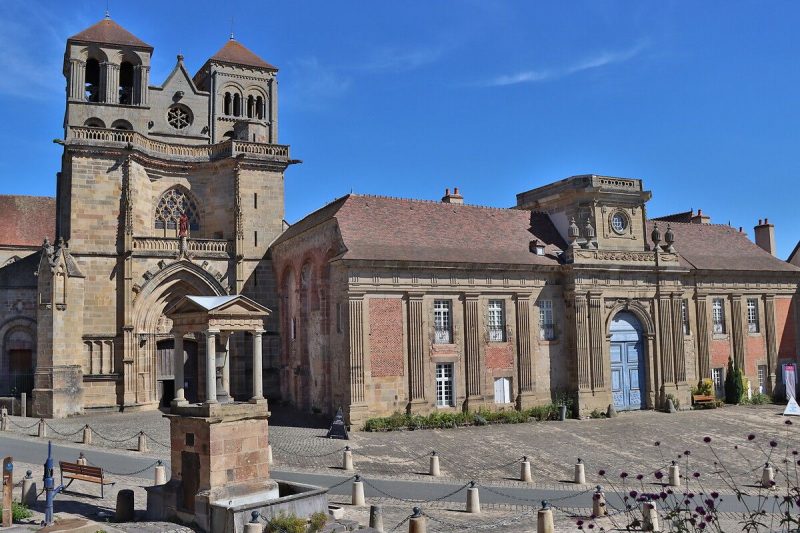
x=183, y=226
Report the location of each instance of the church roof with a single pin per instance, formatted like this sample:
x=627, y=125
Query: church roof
x=109, y=32
x=236, y=53
x=21, y=273
x=26, y=220
x=721, y=247
x=395, y=229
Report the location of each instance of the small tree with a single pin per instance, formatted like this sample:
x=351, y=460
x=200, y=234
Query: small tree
x=734, y=389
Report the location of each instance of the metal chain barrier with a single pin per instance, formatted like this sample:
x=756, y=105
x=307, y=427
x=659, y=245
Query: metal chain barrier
x=309, y=456
x=20, y=426
x=57, y=432
x=341, y=483
x=400, y=524
x=109, y=439
x=106, y=470
x=440, y=498
x=153, y=439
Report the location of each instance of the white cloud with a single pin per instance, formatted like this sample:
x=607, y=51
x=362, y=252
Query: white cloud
x=596, y=61
x=314, y=83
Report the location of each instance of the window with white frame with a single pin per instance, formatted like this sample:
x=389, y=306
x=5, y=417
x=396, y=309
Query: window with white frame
x=546, y=326
x=718, y=378
x=685, y=316
x=718, y=315
x=752, y=315
x=442, y=322
x=497, y=321
x=444, y=385
x=762, y=379
x=502, y=390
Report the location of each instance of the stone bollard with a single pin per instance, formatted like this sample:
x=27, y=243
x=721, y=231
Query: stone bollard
x=544, y=519
x=473, y=499
x=650, y=516
x=580, y=473
x=416, y=524
x=87, y=434
x=81, y=460
x=269, y=454
x=768, y=476
x=376, y=518
x=611, y=412
x=599, y=503
x=42, y=432
x=141, y=445
x=525, y=470
x=671, y=406
x=160, y=474
x=674, y=475
x=358, y=492
x=23, y=404
x=433, y=470
x=124, y=510
x=28, y=490
x=347, y=459
x=254, y=525
x=4, y=419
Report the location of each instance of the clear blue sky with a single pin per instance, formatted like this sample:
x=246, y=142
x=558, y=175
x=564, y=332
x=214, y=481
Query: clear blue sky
x=700, y=99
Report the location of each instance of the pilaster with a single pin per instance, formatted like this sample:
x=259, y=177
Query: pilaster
x=416, y=351
x=702, y=331
x=472, y=356
x=582, y=343
x=677, y=338
x=738, y=331
x=356, y=331
x=109, y=82
x=597, y=336
x=525, y=368
x=666, y=339
x=772, y=345
x=239, y=242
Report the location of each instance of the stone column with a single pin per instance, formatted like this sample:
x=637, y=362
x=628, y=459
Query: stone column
x=665, y=337
x=596, y=336
x=109, y=73
x=177, y=370
x=416, y=351
x=258, y=386
x=77, y=75
x=525, y=360
x=582, y=343
x=472, y=356
x=144, y=83
x=679, y=359
x=703, y=353
x=211, y=366
x=356, y=326
x=772, y=344
x=273, y=110
x=738, y=331
x=226, y=367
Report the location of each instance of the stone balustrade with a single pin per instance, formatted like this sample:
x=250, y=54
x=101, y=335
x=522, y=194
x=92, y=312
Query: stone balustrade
x=171, y=245
x=229, y=148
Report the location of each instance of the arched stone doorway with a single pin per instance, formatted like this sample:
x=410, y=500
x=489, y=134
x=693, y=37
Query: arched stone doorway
x=627, y=355
x=17, y=356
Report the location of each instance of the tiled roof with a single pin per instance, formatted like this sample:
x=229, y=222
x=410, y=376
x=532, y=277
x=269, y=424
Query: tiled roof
x=21, y=273
x=686, y=216
x=720, y=247
x=109, y=32
x=236, y=53
x=27, y=220
x=394, y=229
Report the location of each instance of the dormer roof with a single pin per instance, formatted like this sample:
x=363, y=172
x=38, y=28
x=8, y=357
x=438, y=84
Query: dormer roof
x=236, y=53
x=109, y=32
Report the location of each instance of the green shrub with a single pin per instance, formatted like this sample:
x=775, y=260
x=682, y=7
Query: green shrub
x=758, y=398
x=317, y=522
x=704, y=388
x=20, y=511
x=734, y=387
x=284, y=523
x=596, y=413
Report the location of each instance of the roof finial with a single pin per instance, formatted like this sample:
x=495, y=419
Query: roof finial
x=108, y=16
x=232, y=38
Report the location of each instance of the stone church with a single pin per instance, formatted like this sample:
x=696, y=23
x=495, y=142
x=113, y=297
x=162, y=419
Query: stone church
x=378, y=304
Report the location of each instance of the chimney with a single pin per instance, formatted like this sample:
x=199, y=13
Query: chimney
x=700, y=218
x=765, y=235
x=454, y=198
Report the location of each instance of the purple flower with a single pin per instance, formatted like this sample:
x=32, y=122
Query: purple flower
x=700, y=509
x=701, y=525
x=696, y=475
x=715, y=495
x=773, y=443
x=686, y=453
x=751, y=437
x=706, y=439
x=623, y=475
x=659, y=475
x=657, y=443
x=601, y=473
x=663, y=495
x=633, y=493
x=579, y=523
x=788, y=422
x=639, y=477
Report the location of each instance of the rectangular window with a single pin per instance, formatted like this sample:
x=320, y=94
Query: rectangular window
x=546, y=327
x=255, y=200
x=502, y=390
x=685, y=316
x=762, y=379
x=444, y=385
x=718, y=315
x=442, y=323
x=717, y=376
x=497, y=321
x=752, y=315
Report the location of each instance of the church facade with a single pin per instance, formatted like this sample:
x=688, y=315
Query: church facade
x=378, y=304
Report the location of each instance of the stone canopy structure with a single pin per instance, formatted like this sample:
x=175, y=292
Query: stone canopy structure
x=170, y=202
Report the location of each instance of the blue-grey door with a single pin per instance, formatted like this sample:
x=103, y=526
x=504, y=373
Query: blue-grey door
x=627, y=362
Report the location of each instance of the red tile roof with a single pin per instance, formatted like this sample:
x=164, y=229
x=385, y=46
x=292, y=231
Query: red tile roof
x=109, y=32
x=720, y=247
x=27, y=220
x=395, y=229
x=237, y=54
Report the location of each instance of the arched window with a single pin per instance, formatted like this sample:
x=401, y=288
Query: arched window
x=260, y=107
x=226, y=104
x=121, y=125
x=228, y=134
x=92, y=80
x=94, y=123
x=126, y=83
x=250, y=104
x=172, y=204
x=237, y=105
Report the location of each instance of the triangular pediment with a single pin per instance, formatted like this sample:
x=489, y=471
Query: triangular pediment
x=179, y=79
x=237, y=305
x=241, y=305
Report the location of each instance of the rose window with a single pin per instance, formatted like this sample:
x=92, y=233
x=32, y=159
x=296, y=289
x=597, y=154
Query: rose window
x=173, y=203
x=179, y=117
x=619, y=222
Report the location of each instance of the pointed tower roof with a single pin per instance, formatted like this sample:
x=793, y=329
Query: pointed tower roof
x=109, y=32
x=236, y=53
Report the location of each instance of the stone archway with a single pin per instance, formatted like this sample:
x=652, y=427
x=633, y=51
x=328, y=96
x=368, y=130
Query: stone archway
x=144, y=376
x=17, y=356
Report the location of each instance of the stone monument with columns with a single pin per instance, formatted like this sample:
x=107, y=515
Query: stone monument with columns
x=219, y=444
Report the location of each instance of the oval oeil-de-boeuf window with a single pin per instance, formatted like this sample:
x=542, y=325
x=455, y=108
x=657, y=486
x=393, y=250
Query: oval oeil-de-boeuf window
x=619, y=222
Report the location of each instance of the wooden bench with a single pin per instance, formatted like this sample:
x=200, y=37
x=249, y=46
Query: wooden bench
x=701, y=398
x=91, y=474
